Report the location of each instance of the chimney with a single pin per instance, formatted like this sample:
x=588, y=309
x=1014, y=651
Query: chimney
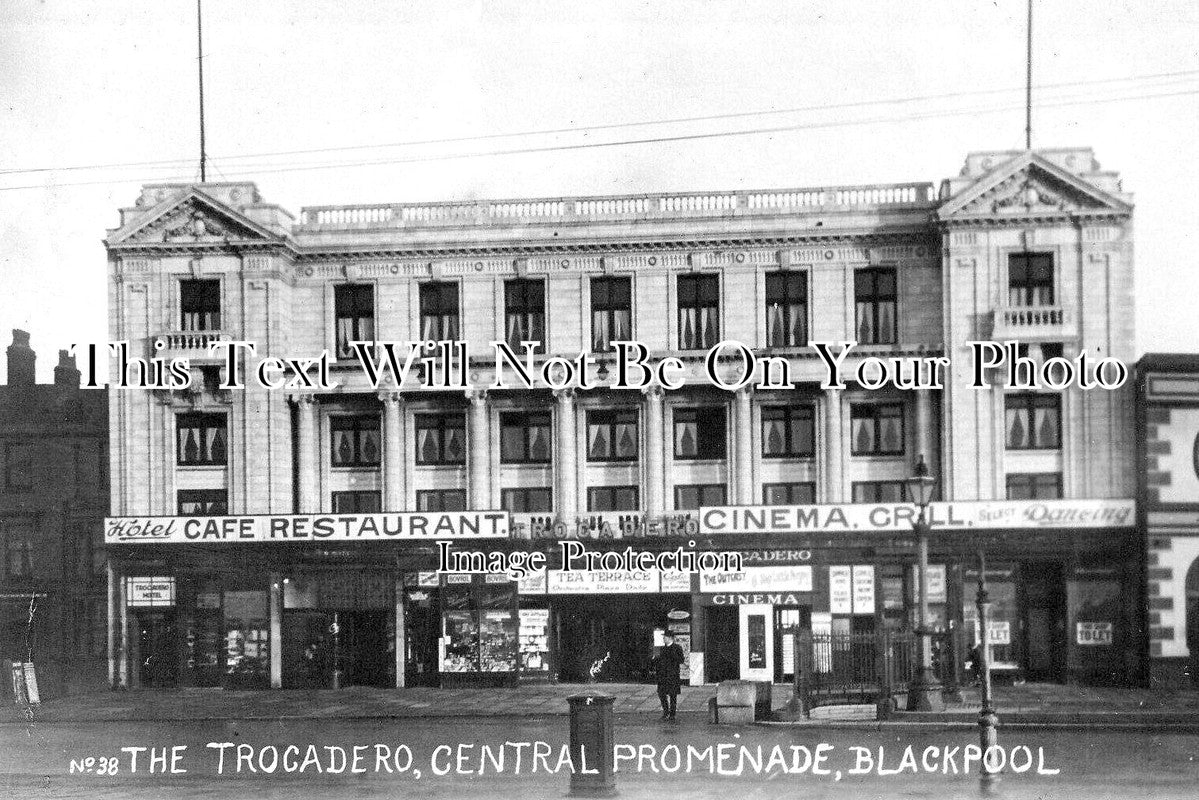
x=20, y=360
x=66, y=374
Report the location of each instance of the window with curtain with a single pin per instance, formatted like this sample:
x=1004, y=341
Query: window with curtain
x=1034, y=421
x=613, y=498
x=699, y=433
x=439, y=311
x=788, y=494
x=1030, y=279
x=695, y=496
x=441, y=500
x=440, y=438
x=354, y=310
x=786, y=309
x=355, y=441
x=878, y=492
x=357, y=502
x=527, y=501
x=524, y=313
x=203, y=502
x=876, y=429
x=875, y=298
x=788, y=431
x=612, y=436
x=201, y=439
x=611, y=312
x=525, y=437
x=699, y=311
x=1034, y=486
x=200, y=305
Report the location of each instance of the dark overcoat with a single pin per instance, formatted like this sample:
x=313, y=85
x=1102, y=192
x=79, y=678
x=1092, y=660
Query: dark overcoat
x=667, y=667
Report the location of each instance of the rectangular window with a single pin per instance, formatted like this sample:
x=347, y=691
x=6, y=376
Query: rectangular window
x=200, y=305
x=613, y=498
x=876, y=428
x=200, y=439
x=612, y=436
x=203, y=502
x=878, y=492
x=524, y=314
x=611, y=312
x=354, y=307
x=699, y=433
x=786, y=309
x=788, y=431
x=526, y=501
x=1030, y=279
x=355, y=441
x=1034, y=486
x=1034, y=421
x=439, y=311
x=699, y=311
x=18, y=549
x=441, y=500
x=525, y=437
x=18, y=467
x=788, y=494
x=440, y=439
x=690, y=498
x=874, y=297
x=357, y=502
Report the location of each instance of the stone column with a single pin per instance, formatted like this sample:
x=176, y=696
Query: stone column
x=834, y=477
x=276, y=623
x=655, y=455
x=743, y=452
x=478, y=467
x=307, y=449
x=566, y=500
x=394, y=494
x=401, y=643
x=123, y=678
x=924, y=428
x=113, y=596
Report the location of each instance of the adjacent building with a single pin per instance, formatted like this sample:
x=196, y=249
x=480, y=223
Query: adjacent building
x=1168, y=500
x=53, y=500
x=1034, y=247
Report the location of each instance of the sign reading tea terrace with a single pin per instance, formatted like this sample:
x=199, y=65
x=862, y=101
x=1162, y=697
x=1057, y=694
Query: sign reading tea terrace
x=898, y=517
x=307, y=527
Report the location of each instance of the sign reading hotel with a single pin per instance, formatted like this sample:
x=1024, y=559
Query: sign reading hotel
x=898, y=517
x=294, y=528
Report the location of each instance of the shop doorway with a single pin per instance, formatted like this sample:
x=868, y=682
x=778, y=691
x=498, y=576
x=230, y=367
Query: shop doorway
x=722, y=652
x=1044, y=622
x=316, y=641
x=788, y=620
x=363, y=648
x=157, y=654
x=422, y=623
x=612, y=635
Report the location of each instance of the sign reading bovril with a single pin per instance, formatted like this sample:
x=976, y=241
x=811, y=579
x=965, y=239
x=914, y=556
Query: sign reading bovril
x=307, y=527
x=898, y=517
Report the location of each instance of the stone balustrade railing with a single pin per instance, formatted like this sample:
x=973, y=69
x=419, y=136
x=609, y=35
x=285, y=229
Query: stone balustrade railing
x=406, y=215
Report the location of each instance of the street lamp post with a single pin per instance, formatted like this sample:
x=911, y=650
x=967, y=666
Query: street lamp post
x=988, y=720
x=924, y=694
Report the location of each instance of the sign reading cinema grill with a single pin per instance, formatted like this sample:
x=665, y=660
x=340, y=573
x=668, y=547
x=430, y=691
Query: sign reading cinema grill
x=887, y=517
x=307, y=527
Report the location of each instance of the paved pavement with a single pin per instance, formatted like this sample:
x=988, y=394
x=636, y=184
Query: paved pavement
x=1027, y=703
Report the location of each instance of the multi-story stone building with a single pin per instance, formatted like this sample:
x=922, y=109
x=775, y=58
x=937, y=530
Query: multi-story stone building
x=1168, y=502
x=53, y=499
x=1028, y=246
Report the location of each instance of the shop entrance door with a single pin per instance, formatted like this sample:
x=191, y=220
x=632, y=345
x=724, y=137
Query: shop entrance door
x=363, y=640
x=158, y=659
x=722, y=654
x=1044, y=622
x=307, y=649
x=787, y=619
x=422, y=621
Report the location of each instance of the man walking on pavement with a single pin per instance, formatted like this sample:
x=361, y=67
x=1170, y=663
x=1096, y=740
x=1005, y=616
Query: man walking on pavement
x=667, y=667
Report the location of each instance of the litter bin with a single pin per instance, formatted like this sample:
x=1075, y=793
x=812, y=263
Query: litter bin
x=591, y=742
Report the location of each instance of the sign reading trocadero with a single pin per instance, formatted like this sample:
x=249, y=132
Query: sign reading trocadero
x=887, y=517
x=292, y=528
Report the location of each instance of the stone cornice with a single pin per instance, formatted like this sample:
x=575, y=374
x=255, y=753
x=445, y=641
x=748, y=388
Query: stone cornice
x=1071, y=218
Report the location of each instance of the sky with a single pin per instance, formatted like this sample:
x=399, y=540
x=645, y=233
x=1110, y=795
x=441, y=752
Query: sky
x=315, y=102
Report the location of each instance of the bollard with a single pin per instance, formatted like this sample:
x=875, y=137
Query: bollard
x=591, y=743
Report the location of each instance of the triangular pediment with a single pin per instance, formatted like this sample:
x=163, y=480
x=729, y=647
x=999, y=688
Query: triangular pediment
x=191, y=218
x=1029, y=185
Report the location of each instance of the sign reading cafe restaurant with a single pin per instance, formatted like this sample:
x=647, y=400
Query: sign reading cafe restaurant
x=307, y=527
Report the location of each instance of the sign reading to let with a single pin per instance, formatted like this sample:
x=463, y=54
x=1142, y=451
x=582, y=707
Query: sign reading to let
x=1093, y=633
x=307, y=528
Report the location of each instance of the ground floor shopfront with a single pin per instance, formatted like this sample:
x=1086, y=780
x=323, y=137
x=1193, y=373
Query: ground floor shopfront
x=1065, y=607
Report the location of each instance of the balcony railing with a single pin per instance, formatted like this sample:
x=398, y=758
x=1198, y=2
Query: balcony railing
x=193, y=345
x=1033, y=322
x=415, y=215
